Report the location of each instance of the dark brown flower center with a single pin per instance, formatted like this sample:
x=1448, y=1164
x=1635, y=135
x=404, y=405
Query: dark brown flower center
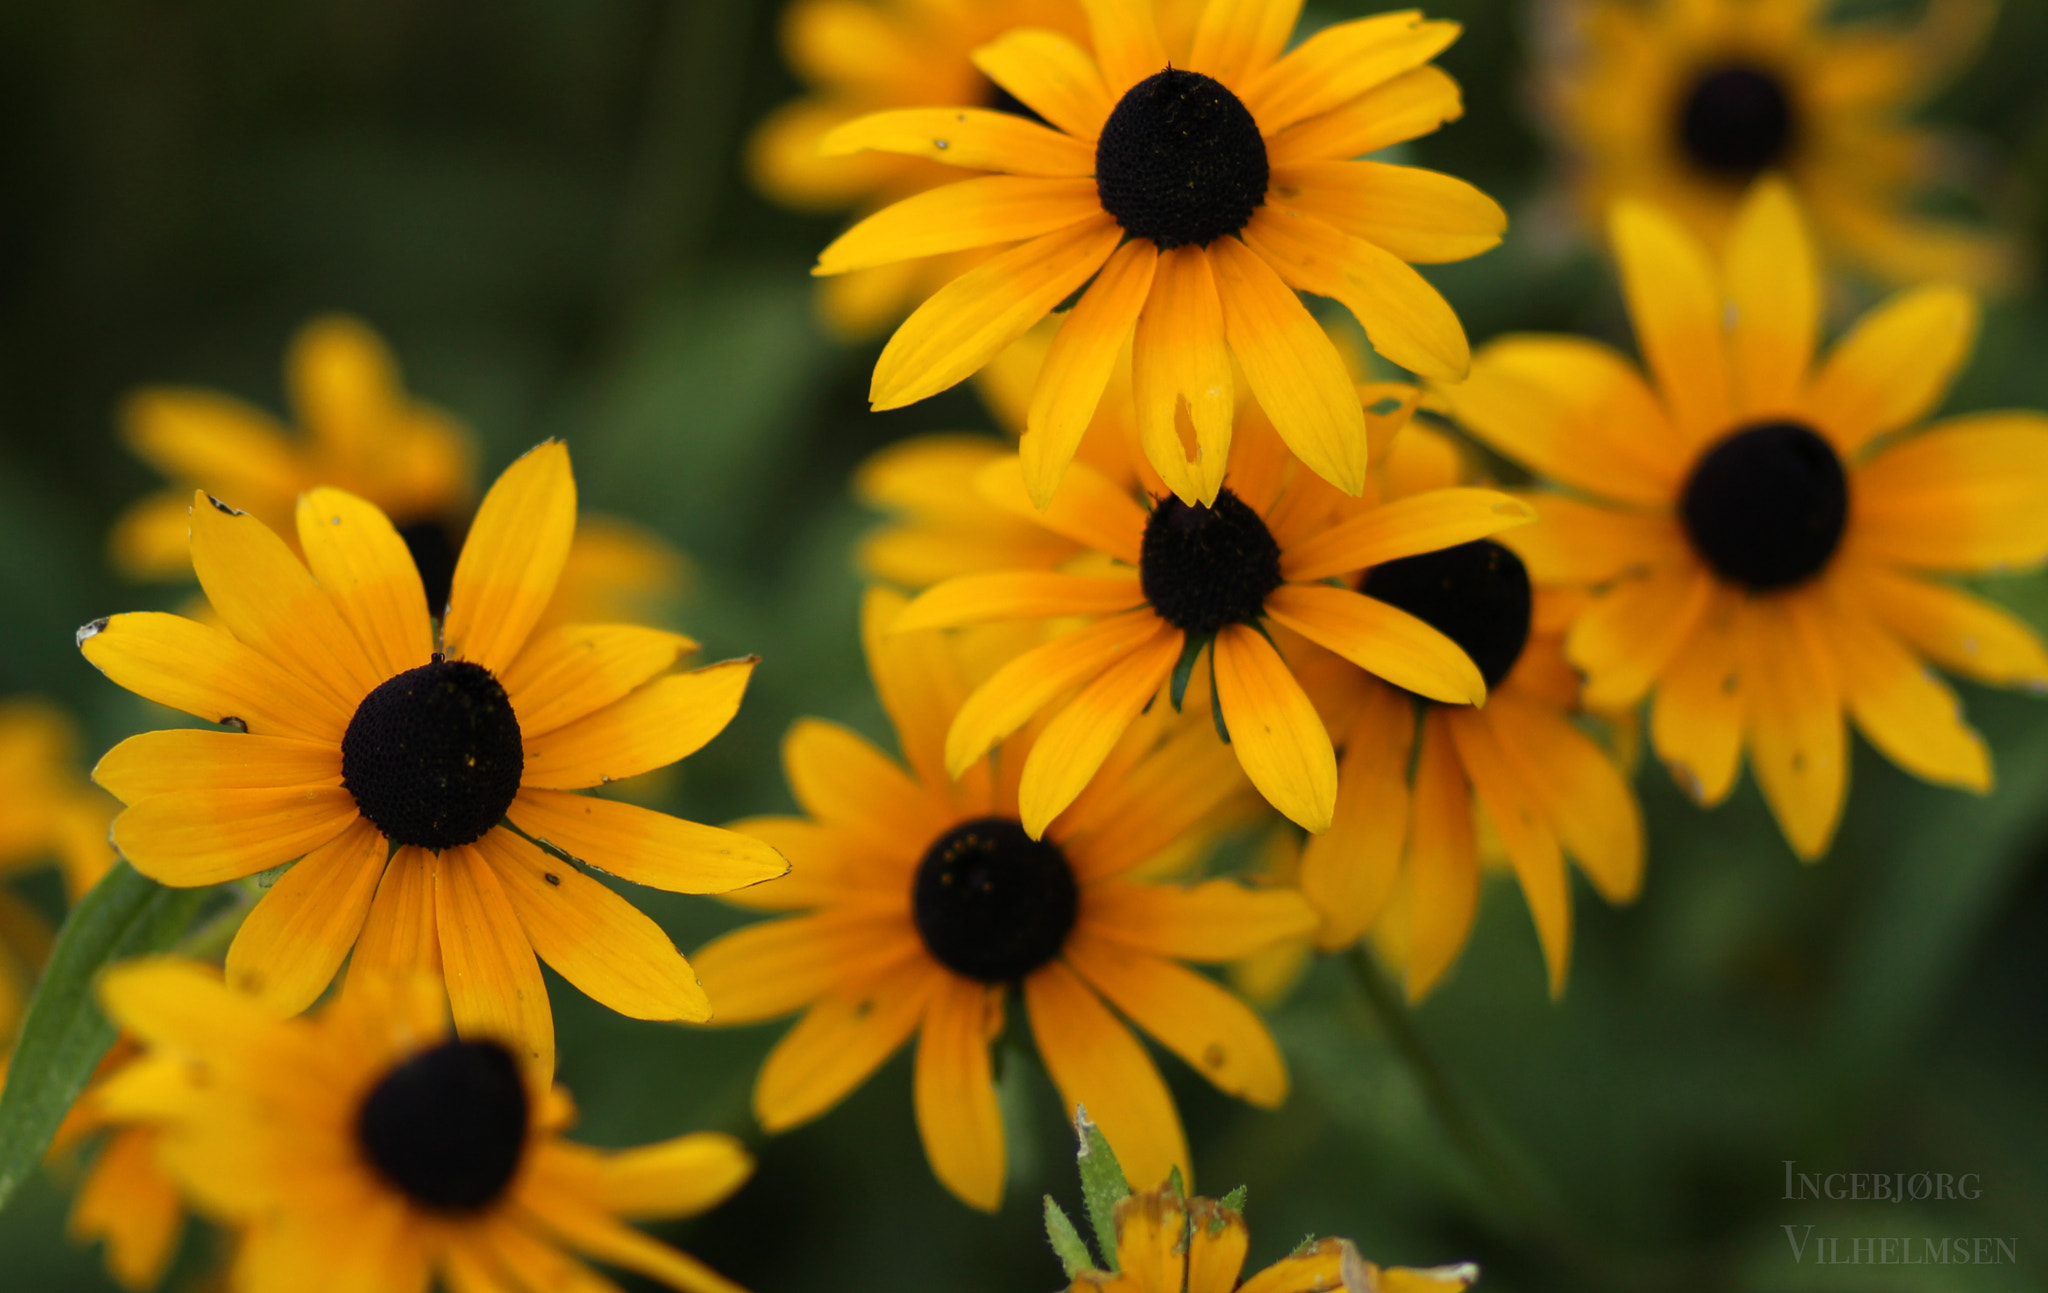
x=1180, y=160
x=1476, y=594
x=991, y=902
x=434, y=756
x=1737, y=121
x=1205, y=567
x=447, y=1127
x=1766, y=506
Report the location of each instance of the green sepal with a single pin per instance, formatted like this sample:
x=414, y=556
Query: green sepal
x=1175, y=1186
x=1234, y=1200
x=1184, y=669
x=64, y=1034
x=1066, y=1241
x=1216, y=702
x=1102, y=1184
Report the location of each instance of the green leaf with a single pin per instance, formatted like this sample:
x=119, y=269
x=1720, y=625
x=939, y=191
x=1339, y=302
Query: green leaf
x=1216, y=704
x=1066, y=1241
x=1102, y=1183
x=1234, y=1200
x=65, y=1034
x=1190, y=651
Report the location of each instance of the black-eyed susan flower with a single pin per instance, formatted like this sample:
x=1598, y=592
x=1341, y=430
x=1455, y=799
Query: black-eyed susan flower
x=1685, y=103
x=1182, y=201
x=1759, y=526
x=362, y=432
x=367, y=1149
x=919, y=902
x=388, y=753
x=1162, y=1241
x=1421, y=784
x=1162, y=590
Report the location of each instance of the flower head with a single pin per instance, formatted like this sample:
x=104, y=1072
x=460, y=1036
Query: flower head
x=415, y=769
x=367, y=1148
x=1182, y=197
x=1757, y=527
x=1685, y=103
x=922, y=902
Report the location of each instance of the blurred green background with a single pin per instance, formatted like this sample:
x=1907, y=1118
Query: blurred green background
x=539, y=204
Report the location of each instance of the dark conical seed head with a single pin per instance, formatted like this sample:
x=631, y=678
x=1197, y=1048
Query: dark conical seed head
x=992, y=903
x=447, y=1127
x=1180, y=161
x=1737, y=122
x=433, y=756
x=1476, y=594
x=1766, y=507
x=1205, y=567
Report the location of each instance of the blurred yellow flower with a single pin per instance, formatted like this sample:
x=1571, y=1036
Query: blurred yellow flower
x=124, y=1197
x=1757, y=523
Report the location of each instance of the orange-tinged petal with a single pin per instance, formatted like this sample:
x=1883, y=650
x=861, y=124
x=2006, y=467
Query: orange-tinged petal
x=594, y=938
x=668, y=719
x=979, y=139
x=1097, y=1065
x=844, y=782
x=1531, y=845
x=1235, y=40
x=1908, y=714
x=1439, y=518
x=206, y=672
x=680, y=1177
x=1774, y=289
x=1293, y=369
x=957, y=1117
x=185, y=760
x=1970, y=495
x=778, y=966
x=297, y=935
x=366, y=569
x=401, y=935
x=1050, y=73
x=1577, y=790
x=1279, y=738
x=1030, y=682
x=214, y=441
x=841, y=1040
x=1623, y=639
x=645, y=846
x=1089, y=508
x=1122, y=822
x=1696, y=718
x=1179, y=356
x=1341, y=62
x=1676, y=307
x=1217, y=1034
x=1422, y=217
x=1574, y=542
x=494, y=984
x=1414, y=103
x=1382, y=639
x=512, y=559
x=1793, y=721
x=1083, y=354
x=578, y=669
x=1348, y=872
x=206, y=837
x=1895, y=365
x=1213, y=922
x=1126, y=39
x=920, y=682
x=1018, y=595
x=127, y=1199
x=591, y=1230
x=1070, y=749
x=1954, y=629
x=959, y=217
x=1442, y=871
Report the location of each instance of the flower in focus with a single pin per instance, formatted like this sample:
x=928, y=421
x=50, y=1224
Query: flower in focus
x=1684, y=103
x=1759, y=529
x=363, y=433
x=1182, y=201
x=1419, y=779
x=920, y=901
x=1159, y=589
x=389, y=762
x=365, y=1148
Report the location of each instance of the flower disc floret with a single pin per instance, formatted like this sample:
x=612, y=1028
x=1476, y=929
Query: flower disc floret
x=1205, y=567
x=433, y=756
x=1181, y=161
x=1737, y=121
x=1766, y=507
x=447, y=1127
x=1476, y=594
x=992, y=903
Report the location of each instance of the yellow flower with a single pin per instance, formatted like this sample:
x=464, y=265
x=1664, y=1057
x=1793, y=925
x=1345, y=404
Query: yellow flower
x=124, y=1198
x=1185, y=201
x=365, y=434
x=1759, y=527
x=1169, y=1244
x=1402, y=855
x=1683, y=103
x=1159, y=589
x=388, y=762
x=366, y=1149
x=923, y=901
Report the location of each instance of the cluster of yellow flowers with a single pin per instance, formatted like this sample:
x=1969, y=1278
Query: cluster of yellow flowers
x=1227, y=578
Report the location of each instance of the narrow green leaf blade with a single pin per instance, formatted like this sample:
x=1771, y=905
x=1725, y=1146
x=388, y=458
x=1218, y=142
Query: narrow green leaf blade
x=1066, y=1240
x=1102, y=1184
x=65, y=1034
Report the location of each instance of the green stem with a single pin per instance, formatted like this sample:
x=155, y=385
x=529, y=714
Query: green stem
x=209, y=940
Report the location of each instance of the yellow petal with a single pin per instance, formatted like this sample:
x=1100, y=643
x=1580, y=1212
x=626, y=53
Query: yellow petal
x=1089, y=508
x=1341, y=62
x=1774, y=288
x=1070, y=749
x=970, y=320
x=204, y=837
x=1908, y=713
x=297, y=935
x=1531, y=845
x=979, y=139
x=1793, y=721
x=1623, y=639
x=1212, y=922
x=1235, y=40
x=844, y=782
x=1383, y=640
x=1439, y=518
x=1098, y=1066
x=1179, y=354
x=1413, y=104
x=1443, y=861
x=960, y=217
x=494, y=984
x=1279, y=738
x=1895, y=366
x=216, y=442
x=1030, y=682
x=345, y=387
x=1083, y=354
x=578, y=669
x=512, y=559
x=127, y=1199
x=188, y=760
x=1577, y=790
x=668, y=719
x=1050, y=73
x=369, y=573
x=1574, y=542
x=401, y=935
x=957, y=1117
x=674, y=1178
x=1217, y=1034
x=1676, y=308
x=1294, y=371
x=153, y=538
x=1957, y=631
x=644, y=846
x=206, y=672
x=919, y=680
x=1423, y=217
x=1348, y=872
x=1971, y=494
x=1126, y=39
x=595, y=939
x=1018, y=595
x=1696, y=719
x=761, y=971
x=1123, y=822
x=841, y=1040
